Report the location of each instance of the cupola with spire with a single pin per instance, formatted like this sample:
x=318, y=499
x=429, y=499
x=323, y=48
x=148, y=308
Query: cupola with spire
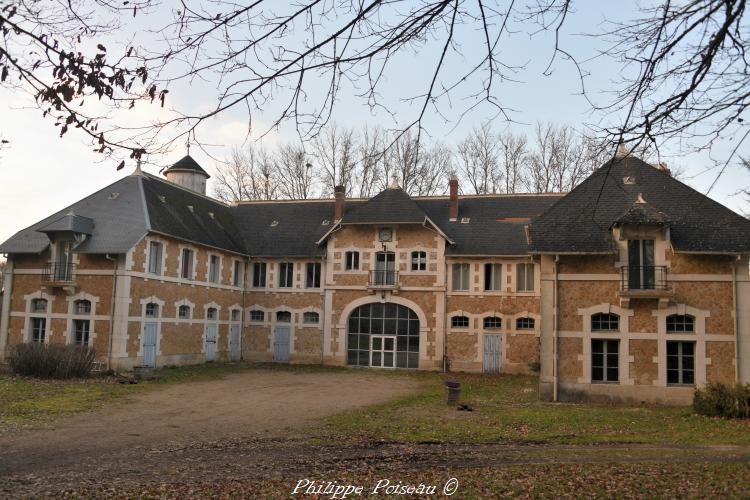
x=188, y=174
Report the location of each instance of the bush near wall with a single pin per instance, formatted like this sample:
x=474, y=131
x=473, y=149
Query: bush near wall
x=52, y=360
x=720, y=400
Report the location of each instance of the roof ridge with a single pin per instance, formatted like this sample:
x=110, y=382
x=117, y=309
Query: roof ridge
x=172, y=184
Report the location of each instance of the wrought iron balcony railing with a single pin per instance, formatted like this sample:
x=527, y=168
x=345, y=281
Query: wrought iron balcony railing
x=59, y=272
x=383, y=279
x=643, y=278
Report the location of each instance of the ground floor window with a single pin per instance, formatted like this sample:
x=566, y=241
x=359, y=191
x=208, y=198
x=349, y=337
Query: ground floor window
x=680, y=363
x=38, y=329
x=383, y=335
x=81, y=332
x=605, y=360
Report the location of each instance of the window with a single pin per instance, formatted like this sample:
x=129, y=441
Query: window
x=183, y=312
x=286, y=274
x=213, y=268
x=82, y=307
x=186, y=270
x=212, y=314
x=38, y=329
x=524, y=277
x=605, y=322
x=81, y=332
x=312, y=276
x=605, y=360
x=493, y=322
x=257, y=316
x=419, y=261
x=366, y=344
x=39, y=305
x=680, y=323
x=259, y=275
x=311, y=318
x=235, y=315
x=152, y=310
x=525, y=324
x=239, y=271
x=493, y=276
x=461, y=277
x=284, y=317
x=352, y=261
x=680, y=363
x=460, y=322
x=154, y=257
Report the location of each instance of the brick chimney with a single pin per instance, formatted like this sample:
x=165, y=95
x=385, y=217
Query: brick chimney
x=664, y=168
x=453, y=183
x=338, y=194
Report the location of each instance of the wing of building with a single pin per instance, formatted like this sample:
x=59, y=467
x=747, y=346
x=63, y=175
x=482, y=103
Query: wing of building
x=633, y=285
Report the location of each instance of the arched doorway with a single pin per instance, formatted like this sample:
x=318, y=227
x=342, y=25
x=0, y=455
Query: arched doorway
x=383, y=336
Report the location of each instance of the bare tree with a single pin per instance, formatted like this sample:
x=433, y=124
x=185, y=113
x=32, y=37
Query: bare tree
x=371, y=151
x=334, y=152
x=514, y=157
x=247, y=175
x=294, y=172
x=479, y=159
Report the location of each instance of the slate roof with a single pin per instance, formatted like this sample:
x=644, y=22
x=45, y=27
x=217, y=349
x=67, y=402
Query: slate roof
x=69, y=222
x=391, y=205
x=641, y=212
x=581, y=221
x=187, y=164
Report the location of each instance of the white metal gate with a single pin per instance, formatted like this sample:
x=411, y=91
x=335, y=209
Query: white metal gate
x=210, y=342
x=281, y=343
x=234, y=343
x=149, y=344
x=491, y=354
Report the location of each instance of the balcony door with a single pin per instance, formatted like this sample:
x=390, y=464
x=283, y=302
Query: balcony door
x=63, y=258
x=641, y=268
x=385, y=265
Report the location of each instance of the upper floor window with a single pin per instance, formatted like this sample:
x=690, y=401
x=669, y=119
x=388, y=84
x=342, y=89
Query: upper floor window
x=680, y=323
x=312, y=275
x=311, y=318
x=352, y=261
x=605, y=322
x=236, y=315
x=257, y=315
x=183, y=312
x=82, y=307
x=525, y=324
x=237, y=273
x=525, y=277
x=152, y=310
x=460, y=322
x=419, y=261
x=493, y=322
x=186, y=266
x=213, y=268
x=286, y=274
x=284, y=317
x=155, y=250
x=212, y=314
x=461, y=274
x=39, y=305
x=493, y=276
x=259, y=274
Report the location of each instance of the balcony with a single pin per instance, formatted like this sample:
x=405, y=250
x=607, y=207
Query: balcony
x=383, y=280
x=645, y=282
x=62, y=274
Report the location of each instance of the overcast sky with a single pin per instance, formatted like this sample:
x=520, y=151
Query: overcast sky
x=42, y=173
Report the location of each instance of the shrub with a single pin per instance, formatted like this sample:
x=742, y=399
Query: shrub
x=52, y=360
x=720, y=400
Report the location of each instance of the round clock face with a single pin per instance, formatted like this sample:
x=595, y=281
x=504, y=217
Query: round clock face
x=385, y=234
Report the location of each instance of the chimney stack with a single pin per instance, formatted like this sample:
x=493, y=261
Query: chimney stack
x=338, y=194
x=664, y=168
x=453, y=213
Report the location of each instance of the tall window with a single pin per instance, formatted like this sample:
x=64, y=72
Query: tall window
x=81, y=332
x=493, y=276
x=238, y=272
x=259, y=275
x=38, y=329
x=461, y=273
x=493, y=322
x=641, y=270
x=419, y=261
x=286, y=274
x=605, y=322
x=39, y=305
x=352, y=261
x=183, y=312
x=680, y=362
x=525, y=324
x=312, y=275
x=186, y=270
x=152, y=310
x=460, y=322
x=680, y=323
x=605, y=360
x=525, y=277
x=154, y=257
x=213, y=268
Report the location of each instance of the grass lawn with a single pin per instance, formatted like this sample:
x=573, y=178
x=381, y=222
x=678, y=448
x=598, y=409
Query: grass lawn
x=507, y=409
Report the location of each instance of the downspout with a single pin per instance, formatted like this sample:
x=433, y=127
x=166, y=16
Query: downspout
x=445, y=318
x=323, y=267
x=112, y=313
x=735, y=323
x=554, y=332
x=242, y=313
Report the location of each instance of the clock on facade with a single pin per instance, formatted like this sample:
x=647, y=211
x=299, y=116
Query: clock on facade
x=385, y=234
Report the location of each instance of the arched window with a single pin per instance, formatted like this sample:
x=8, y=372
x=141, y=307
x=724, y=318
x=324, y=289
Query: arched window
x=284, y=317
x=605, y=322
x=212, y=314
x=311, y=318
x=525, y=324
x=183, y=312
x=82, y=307
x=152, y=310
x=383, y=336
x=680, y=323
x=460, y=322
x=493, y=322
x=39, y=305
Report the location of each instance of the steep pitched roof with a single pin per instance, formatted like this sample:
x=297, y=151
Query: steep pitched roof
x=69, y=222
x=391, y=205
x=581, y=221
x=641, y=212
x=187, y=164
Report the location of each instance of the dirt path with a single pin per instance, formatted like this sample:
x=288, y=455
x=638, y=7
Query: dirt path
x=251, y=404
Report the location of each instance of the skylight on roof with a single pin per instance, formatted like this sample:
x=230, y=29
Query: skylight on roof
x=325, y=222
x=465, y=220
x=274, y=223
x=113, y=195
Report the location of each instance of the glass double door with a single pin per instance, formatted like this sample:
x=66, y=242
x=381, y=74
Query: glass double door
x=383, y=351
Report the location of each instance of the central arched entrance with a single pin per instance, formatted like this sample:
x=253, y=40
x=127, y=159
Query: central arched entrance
x=383, y=336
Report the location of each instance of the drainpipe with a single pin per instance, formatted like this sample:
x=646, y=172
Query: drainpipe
x=554, y=332
x=445, y=318
x=112, y=313
x=736, y=321
x=242, y=313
